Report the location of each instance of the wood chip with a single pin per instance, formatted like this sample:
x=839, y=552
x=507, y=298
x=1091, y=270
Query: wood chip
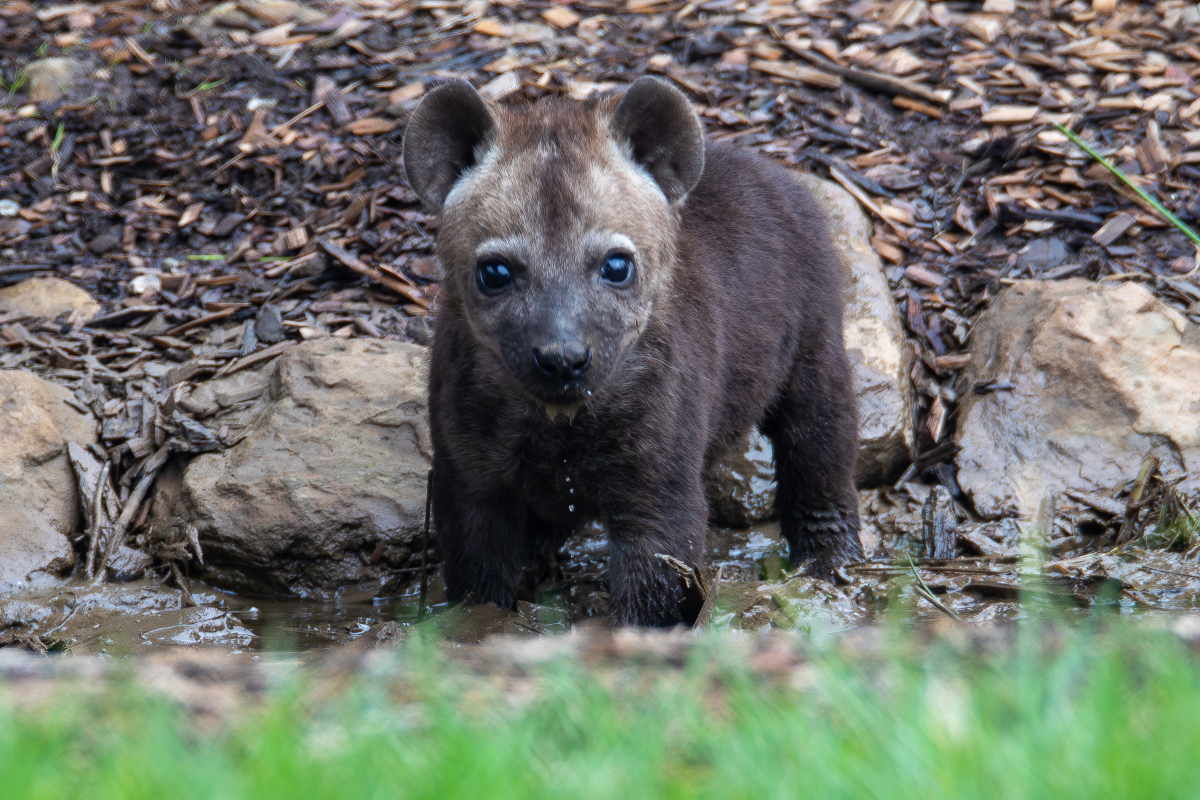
x=1109, y=506
x=294, y=239
x=887, y=250
x=353, y=262
x=256, y=358
x=795, y=72
x=952, y=361
x=370, y=126
x=190, y=214
x=202, y=321
x=501, y=86
x=1004, y=115
x=918, y=274
x=491, y=27
x=326, y=91
x=410, y=91
x=1151, y=154
x=983, y=26
x=561, y=17
x=1113, y=229
x=916, y=105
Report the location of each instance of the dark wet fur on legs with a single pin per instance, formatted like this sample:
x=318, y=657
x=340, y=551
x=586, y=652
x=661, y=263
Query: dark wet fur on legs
x=734, y=320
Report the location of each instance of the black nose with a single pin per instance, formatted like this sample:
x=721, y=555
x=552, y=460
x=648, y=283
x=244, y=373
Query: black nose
x=563, y=361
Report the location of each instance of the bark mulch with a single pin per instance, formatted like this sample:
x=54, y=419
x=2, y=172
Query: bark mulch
x=226, y=178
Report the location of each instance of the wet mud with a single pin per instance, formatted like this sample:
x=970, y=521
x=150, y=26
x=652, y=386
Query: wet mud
x=1020, y=579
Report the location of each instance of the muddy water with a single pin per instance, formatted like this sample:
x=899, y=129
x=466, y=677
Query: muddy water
x=572, y=592
x=756, y=591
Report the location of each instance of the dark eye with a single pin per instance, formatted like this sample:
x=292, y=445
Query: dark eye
x=617, y=269
x=493, y=275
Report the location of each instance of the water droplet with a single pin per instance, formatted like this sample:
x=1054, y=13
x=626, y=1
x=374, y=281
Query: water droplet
x=568, y=480
x=571, y=508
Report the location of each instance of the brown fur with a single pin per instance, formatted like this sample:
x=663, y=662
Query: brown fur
x=733, y=319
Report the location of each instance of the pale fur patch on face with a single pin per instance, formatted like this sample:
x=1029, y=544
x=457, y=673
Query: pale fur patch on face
x=483, y=162
x=596, y=241
x=503, y=246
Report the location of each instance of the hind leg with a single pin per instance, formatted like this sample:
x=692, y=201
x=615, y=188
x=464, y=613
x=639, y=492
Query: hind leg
x=814, y=430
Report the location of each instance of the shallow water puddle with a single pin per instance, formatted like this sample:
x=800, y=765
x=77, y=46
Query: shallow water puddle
x=756, y=591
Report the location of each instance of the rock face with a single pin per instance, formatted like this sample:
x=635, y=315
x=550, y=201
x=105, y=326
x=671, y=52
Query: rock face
x=48, y=297
x=741, y=490
x=874, y=340
x=37, y=487
x=328, y=488
x=1101, y=375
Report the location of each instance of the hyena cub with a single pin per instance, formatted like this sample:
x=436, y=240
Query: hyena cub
x=621, y=302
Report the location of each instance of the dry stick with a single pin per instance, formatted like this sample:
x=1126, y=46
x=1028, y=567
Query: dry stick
x=425, y=545
x=358, y=265
x=188, y=600
x=87, y=496
x=1134, y=506
x=862, y=197
x=97, y=518
x=868, y=78
x=710, y=601
x=924, y=591
x=153, y=465
x=285, y=125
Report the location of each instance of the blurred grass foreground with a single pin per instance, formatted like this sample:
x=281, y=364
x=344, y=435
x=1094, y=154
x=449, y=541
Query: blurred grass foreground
x=1024, y=713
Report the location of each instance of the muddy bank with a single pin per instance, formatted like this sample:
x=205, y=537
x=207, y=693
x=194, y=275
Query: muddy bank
x=199, y=192
x=1024, y=576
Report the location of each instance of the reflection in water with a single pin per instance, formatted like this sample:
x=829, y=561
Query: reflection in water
x=572, y=589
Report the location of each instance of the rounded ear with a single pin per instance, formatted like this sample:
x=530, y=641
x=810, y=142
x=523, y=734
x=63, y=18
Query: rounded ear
x=657, y=126
x=443, y=139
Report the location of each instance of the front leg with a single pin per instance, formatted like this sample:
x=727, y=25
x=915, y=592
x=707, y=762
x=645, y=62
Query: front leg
x=655, y=518
x=814, y=431
x=484, y=544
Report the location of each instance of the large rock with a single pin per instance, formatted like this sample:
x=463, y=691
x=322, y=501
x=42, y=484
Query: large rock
x=740, y=490
x=1087, y=380
x=38, y=494
x=874, y=340
x=328, y=488
x=48, y=297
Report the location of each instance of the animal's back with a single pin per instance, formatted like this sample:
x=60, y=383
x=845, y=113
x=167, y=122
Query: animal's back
x=754, y=249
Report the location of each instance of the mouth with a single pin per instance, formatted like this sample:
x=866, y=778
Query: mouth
x=557, y=412
x=562, y=402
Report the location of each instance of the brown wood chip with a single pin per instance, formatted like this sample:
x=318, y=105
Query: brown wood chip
x=916, y=105
x=256, y=358
x=795, y=72
x=353, y=262
x=1113, y=229
x=918, y=274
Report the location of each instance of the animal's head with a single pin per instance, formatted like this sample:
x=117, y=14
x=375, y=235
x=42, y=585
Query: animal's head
x=558, y=223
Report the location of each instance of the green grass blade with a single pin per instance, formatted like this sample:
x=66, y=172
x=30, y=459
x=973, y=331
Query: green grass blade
x=1167, y=215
